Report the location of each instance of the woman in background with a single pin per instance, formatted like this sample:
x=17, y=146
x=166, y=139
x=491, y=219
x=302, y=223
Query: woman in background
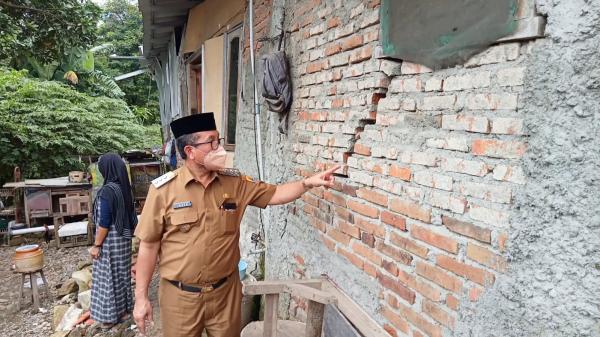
x=115, y=220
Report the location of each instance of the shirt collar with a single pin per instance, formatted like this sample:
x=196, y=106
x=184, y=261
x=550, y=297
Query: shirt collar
x=187, y=175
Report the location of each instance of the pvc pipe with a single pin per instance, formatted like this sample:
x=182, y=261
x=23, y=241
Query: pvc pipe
x=258, y=138
x=31, y=230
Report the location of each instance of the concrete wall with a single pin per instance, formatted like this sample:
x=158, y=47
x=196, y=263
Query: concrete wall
x=470, y=197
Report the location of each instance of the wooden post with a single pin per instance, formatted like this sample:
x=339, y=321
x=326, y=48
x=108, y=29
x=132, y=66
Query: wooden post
x=21, y=291
x=314, y=319
x=34, y=292
x=271, y=309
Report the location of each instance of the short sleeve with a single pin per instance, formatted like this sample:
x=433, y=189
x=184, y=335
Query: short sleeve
x=151, y=225
x=256, y=193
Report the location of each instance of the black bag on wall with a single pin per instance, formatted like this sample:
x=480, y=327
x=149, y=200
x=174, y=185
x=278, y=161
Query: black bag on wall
x=277, y=85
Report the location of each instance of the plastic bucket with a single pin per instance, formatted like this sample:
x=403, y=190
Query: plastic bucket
x=28, y=258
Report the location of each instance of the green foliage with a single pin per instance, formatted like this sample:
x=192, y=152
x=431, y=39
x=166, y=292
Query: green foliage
x=95, y=83
x=46, y=125
x=121, y=27
x=45, y=30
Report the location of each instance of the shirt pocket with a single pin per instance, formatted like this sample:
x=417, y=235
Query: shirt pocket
x=230, y=217
x=184, y=221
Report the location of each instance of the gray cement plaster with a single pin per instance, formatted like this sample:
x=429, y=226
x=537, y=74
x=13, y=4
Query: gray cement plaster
x=552, y=288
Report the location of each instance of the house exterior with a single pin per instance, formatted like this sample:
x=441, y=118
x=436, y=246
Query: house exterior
x=468, y=203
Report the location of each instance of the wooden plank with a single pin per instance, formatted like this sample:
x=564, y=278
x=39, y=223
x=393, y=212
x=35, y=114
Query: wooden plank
x=271, y=309
x=276, y=287
x=310, y=294
x=360, y=319
x=336, y=325
x=314, y=319
x=284, y=329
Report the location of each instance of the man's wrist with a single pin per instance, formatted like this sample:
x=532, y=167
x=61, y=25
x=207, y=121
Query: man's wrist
x=97, y=246
x=305, y=185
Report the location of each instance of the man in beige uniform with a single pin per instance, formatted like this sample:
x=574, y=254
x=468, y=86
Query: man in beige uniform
x=191, y=223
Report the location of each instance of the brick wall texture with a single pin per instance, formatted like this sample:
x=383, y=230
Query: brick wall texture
x=432, y=160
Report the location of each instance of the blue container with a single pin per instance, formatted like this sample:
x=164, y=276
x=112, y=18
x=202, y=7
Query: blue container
x=242, y=265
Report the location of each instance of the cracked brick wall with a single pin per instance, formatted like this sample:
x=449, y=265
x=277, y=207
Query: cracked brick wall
x=418, y=223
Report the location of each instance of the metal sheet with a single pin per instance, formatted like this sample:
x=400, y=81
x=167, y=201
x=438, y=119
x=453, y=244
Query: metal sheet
x=336, y=325
x=439, y=33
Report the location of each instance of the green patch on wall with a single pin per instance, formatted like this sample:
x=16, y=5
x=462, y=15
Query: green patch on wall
x=441, y=34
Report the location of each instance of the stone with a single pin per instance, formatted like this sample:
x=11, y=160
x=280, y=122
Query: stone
x=83, y=264
x=59, y=313
x=69, y=298
x=84, y=299
x=83, y=278
x=69, y=319
x=67, y=288
x=77, y=332
x=60, y=334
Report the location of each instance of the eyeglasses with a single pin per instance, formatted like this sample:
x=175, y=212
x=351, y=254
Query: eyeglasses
x=213, y=143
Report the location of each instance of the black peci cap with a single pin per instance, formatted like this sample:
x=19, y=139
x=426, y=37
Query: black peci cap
x=193, y=123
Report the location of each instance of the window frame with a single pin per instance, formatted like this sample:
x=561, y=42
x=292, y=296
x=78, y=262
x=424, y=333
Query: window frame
x=235, y=32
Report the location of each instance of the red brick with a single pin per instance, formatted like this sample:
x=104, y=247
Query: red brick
x=420, y=322
x=452, y=302
x=417, y=333
x=397, y=287
x=318, y=116
x=502, y=237
x=467, y=229
x=368, y=239
x=439, y=277
x=370, y=269
x=394, y=220
x=390, y=267
x=396, y=320
x=352, y=42
x=333, y=22
x=339, y=236
x=372, y=196
x=363, y=54
x=370, y=227
x=349, y=190
x=373, y=3
x=394, y=253
x=474, y=274
x=334, y=198
x=475, y=293
x=337, y=103
x=337, y=75
x=344, y=214
x=408, y=245
x=485, y=257
x=400, y=172
x=371, y=36
x=366, y=252
x=434, y=239
x=330, y=244
x=364, y=209
x=498, y=148
x=438, y=314
x=362, y=150
x=333, y=49
x=314, y=67
x=353, y=258
x=390, y=330
x=318, y=224
x=411, y=209
x=310, y=200
x=419, y=286
x=349, y=229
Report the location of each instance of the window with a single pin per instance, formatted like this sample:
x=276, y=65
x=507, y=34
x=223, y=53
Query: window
x=232, y=79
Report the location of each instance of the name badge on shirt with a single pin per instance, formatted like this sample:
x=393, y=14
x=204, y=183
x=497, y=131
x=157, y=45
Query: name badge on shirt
x=182, y=204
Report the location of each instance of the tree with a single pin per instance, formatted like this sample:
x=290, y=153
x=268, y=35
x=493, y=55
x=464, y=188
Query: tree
x=46, y=125
x=121, y=26
x=45, y=30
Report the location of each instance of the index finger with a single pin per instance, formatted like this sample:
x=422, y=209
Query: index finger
x=333, y=169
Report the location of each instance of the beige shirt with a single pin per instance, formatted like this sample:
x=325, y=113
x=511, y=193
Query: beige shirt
x=199, y=228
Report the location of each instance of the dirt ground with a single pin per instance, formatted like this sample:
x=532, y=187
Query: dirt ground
x=59, y=265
